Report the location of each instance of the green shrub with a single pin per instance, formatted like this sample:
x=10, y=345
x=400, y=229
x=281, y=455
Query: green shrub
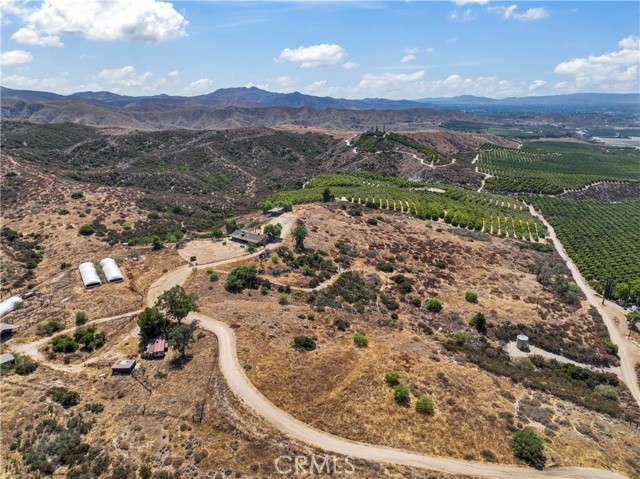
x=392, y=378
x=153, y=216
x=612, y=347
x=242, y=277
x=95, y=408
x=401, y=393
x=63, y=212
x=360, y=340
x=86, y=230
x=434, y=305
x=76, y=195
x=372, y=221
x=214, y=276
x=405, y=287
x=50, y=327
x=441, y=264
x=81, y=318
x=66, y=398
x=385, y=266
x=471, y=296
x=526, y=445
x=304, y=343
x=283, y=298
x=460, y=337
x=64, y=344
x=424, y=405
x=24, y=364
x=311, y=316
x=479, y=322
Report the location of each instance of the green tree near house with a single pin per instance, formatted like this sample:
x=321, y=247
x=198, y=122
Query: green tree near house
x=273, y=231
x=176, y=303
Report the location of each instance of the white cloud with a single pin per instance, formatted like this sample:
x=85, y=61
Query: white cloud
x=388, y=81
x=124, y=77
x=408, y=58
x=124, y=20
x=286, y=81
x=31, y=37
x=203, y=85
x=429, y=50
x=411, y=51
x=314, y=56
x=467, y=15
x=174, y=74
x=320, y=88
x=466, y=2
x=58, y=84
x=534, y=85
x=511, y=13
x=15, y=57
x=350, y=65
x=261, y=86
x=614, y=71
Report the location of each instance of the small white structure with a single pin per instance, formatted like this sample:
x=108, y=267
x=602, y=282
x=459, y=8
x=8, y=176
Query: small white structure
x=14, y=302
x=7, y=359
x=522, y=342
x=89, y=275
x=111, y=271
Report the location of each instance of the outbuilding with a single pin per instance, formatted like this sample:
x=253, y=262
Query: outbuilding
x=522, y=342
x=275, y=211
x=124, y=366
x=156, y=348
x=6, y=359
x=7, y=328
x=244, y=236
x=111, y=271
x=89, y=275
x=11, y=304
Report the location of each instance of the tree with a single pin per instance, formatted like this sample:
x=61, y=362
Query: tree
x=152, y=323
x=479, y=321
x=424, y=405
x=612, y=347
x=300, y=232
x=273, y=231
x=392, y=378
x=181, y=336
x=526, y=445
x=176, y=303
x=360, y=340
x=251, y=246
x=86, y=230
x=327, y=197
x=231, y=225
x=401, y=393
x=471, y=296
x=242, y=277
x=304, y=343
x=634, y=290
x=157, y=243
x=217, y=233
x=621, y=291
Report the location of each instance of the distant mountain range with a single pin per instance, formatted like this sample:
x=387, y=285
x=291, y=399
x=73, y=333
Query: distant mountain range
x=257, y=98
x=248, y=107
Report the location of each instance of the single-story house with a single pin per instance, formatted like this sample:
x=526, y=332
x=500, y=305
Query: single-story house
x=124, y=366
x=7, y=328
x=276, y=211
x=6, y=359
x=244, y=236
x=157, y=347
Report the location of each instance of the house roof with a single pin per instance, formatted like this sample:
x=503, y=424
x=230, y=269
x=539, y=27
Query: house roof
x=124, y=364
x=4, y=327
x=156, y=346
x=248, y=236
x=276, y=209
x=7, y=358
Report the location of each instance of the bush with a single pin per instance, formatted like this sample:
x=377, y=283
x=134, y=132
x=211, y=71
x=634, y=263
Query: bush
x=372, y=221
x=240, y=278
x=360, y=340
x=63, y=212
x=386, y=267
x=95, y=408
x=214, y=276
x=76, y=195
x=401, y=393
x=392, y=378
x=460, y=337
x=24, y=364
x=86, y=230
x=612, y=348
x=471, y=296
x=526, y=445
x=50, y=327
x=405, y=287
x=441, y=264
x=424, y=405
x=607, y=391
x=81, y=318
x=66, y=398
x=304, y=343
x=64, y=344
x=283, y=298
x=153, y=216
x=311, y=317
x=479, y=322
x=434, y=305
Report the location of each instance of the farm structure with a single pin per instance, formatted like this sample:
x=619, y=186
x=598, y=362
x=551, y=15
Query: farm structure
x=123, y=366
x=89, y=275
x=7, y=328
x=156, y=348
x=244, y=236
x=111, y=271
x=8, y=305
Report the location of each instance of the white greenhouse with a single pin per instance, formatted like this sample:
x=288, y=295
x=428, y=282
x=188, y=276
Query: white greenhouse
x=111, y=271
x=8, y=305
x=89, y=275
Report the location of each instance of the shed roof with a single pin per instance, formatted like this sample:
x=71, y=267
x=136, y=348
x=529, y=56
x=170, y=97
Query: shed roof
x=248, y=236
x=111, y=270
x=124, y=365
x=6, y=328
x=7, y=358
x=90, y=277
x=156, y=346
x=10, y=304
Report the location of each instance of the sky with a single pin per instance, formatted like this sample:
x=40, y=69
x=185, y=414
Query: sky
x=357, y=49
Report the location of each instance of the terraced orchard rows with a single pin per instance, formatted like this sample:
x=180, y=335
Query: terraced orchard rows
x=553, y=167
x=603, y=239
x=488, y=213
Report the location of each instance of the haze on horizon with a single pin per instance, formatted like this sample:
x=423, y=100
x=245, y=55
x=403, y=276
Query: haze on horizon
x=397, y=50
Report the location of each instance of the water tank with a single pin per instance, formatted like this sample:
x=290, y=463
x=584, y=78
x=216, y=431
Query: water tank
x=522, y=342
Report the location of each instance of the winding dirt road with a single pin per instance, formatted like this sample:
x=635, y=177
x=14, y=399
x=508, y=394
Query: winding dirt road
x=629, y=353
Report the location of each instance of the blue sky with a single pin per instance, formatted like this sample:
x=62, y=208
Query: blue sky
x=403, y=49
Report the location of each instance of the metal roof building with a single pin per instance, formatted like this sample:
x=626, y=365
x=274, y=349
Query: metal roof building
x=124, y=366
x=244, y=236
x=7, y=328
x=89, y=275
x=111, y=271
x=9, y=305
x=7, y=358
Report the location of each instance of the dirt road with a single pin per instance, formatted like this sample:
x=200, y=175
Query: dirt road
x=629, y=353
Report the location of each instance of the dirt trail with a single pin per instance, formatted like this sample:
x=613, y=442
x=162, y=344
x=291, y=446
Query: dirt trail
x=612, y=314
